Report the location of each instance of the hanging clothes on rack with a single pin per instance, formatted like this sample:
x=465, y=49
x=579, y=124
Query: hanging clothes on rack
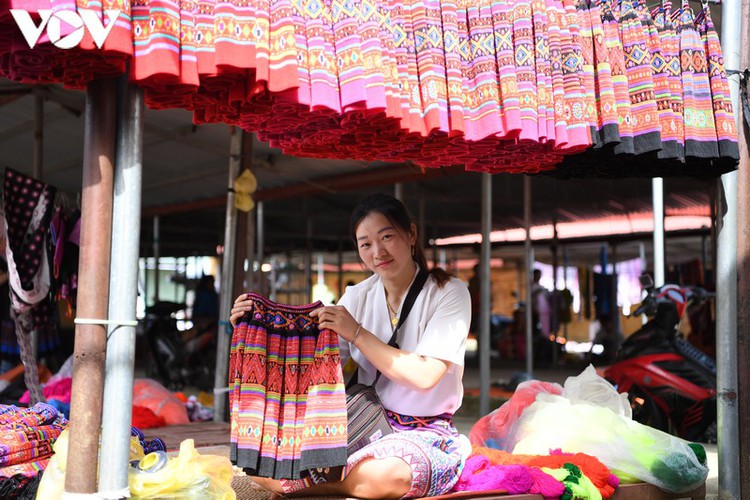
x=287, y=400
x=28, y=208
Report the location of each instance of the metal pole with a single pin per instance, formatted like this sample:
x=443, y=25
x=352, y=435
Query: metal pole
x=422, y=212
x=157, y=254
x=123, y=289
x=227, y=279
x=252, y=282
x=743, y=297
x=260, y=247
x=735, y=16
x=484, y=297
x=555, y=295
x=529, y=263
x=398, y=191
x=93, y=287
x=657, y=194
x=644, y=266
x=566, y=263
x=308, y=261
x=340, y=263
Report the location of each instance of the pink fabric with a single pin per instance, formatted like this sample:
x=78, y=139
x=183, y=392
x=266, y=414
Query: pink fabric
x=59, y=390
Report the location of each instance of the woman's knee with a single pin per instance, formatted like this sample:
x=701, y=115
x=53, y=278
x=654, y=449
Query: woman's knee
x=381, y=478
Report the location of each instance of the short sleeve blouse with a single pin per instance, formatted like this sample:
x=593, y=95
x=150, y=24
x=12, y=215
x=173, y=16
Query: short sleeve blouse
x=437, y=327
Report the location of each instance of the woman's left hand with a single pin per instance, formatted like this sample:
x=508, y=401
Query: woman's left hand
x=338, y=319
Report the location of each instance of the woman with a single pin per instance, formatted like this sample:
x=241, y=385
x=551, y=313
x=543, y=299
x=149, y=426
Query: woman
x=420, y=386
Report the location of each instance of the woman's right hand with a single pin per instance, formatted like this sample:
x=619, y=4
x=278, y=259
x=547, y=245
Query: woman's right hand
x=241, y=305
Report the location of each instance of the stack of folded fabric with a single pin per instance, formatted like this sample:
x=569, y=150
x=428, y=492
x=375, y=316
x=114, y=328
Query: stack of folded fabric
x=27, y=438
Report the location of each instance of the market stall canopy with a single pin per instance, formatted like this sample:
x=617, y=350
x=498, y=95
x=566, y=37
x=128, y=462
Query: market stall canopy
x=499, y=87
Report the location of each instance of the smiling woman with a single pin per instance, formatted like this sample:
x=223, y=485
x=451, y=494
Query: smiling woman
x=420, y=386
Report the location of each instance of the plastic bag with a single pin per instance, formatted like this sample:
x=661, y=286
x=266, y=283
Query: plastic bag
x=628, y=448
x=190, y=475
x=53, y=480
x=491, y=430
x=154, y=396
x=591, y=388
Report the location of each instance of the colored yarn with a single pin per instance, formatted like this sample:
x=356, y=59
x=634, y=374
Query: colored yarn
x=591, y=467
x=574, y=483
x=480, y=475
x=544, y=484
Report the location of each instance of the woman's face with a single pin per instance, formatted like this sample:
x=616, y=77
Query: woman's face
x=383, y=247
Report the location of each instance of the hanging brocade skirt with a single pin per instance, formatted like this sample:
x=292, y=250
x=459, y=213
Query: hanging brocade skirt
x=287, y=399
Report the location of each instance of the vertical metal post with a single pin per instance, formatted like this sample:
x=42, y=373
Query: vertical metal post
x=657, y=194
x=529, y=264
x=554, y=296
x=566, y=263
x=250, y=277
x=398, y=191
x=308, y=262
x=157, y=255
x=93, y=287
x=485, y=288
x=227, y=278
x=727, y=454
x=123, y=290
x=422, y=212
x=733, y=470
x=644, y=266
x=340, y=265
x=260, y=247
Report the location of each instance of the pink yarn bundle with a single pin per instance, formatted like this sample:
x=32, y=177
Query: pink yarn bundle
x=480, y=475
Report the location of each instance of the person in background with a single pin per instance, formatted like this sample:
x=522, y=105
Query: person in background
x=420, y=386
x=205, y=311
x=540, y=307
x=609, y=337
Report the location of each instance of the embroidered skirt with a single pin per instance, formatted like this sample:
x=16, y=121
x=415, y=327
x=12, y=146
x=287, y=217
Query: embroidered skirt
x=287, y=400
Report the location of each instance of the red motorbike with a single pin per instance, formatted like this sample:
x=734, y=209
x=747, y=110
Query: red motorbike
x=670, y=383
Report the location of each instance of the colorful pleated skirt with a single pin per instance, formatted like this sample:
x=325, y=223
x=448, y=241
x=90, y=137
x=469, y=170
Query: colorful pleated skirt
x=287, y=399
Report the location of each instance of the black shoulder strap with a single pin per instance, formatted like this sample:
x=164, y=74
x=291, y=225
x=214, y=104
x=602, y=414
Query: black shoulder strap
x=411, y=297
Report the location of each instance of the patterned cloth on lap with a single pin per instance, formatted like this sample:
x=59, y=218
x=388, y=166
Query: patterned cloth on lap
x=287, y=399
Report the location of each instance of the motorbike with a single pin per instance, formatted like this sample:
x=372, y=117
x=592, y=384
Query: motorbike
x=670, y=383
x=179, y=358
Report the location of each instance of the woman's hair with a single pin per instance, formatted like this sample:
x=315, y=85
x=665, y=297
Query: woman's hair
x=395, y=211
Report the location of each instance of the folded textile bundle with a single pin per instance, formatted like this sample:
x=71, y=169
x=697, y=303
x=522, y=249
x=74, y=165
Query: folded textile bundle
x=28, y=435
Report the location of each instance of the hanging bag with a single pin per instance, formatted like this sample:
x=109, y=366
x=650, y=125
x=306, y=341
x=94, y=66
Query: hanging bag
x=366, y=418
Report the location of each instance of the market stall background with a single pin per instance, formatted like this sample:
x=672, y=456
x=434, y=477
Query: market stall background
x=85, y=173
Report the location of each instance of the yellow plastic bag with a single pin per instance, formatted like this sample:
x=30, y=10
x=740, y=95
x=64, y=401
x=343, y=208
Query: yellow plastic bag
x=189, y=475
x=52, y=484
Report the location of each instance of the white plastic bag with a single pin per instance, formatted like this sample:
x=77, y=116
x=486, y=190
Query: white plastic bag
x=588, y=387
x=628, y=448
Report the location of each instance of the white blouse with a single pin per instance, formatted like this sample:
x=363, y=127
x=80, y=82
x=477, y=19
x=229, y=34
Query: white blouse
x=437, y=327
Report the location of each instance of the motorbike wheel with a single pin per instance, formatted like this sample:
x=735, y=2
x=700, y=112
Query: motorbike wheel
x=646, y=411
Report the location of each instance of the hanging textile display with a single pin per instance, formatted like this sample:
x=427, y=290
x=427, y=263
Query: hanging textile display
x=287, y=400
x=28, y=208
x=557, y=86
